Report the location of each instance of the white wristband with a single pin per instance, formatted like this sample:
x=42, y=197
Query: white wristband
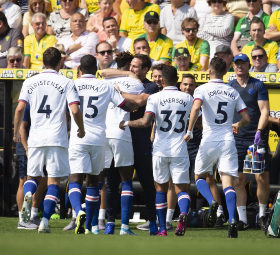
x=190, y=133
x=125, y=124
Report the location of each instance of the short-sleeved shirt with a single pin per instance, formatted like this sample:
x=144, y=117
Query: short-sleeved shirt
x=270, y=47
x=60, y=26
x=35, y=49
x=171, y=109
x=95, y=96
x=251, y=94
x=172, y=22
x=243, y=25
x=161, y=48
x=142, y=135
x=268, y=68
x=20, y=151
x=132, y=21
x=198, y=49
x=219, y=104
x=13, y=14
x=115, y=115
x=9, y=39
x=92, y=6
x=55, y=4
x=274, y=20
x=123, y=44
x=47, y=94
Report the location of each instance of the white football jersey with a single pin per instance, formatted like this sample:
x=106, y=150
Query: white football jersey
x=115, y=115
x=95, y=96
x=171, y=109
x=47, y=94
x=220, y=101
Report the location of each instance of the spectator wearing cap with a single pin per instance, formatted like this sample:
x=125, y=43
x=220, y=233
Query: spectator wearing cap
x=182, y=60
x=254, y=94
x=132, y=22
x=141, y=46
x=171, y=18
x=12, y=13
x=160, y=45
x=61, y=49
x=36, y=44
x=224, y=52
x=216, y=27
x=257, y=31
x=198, y=48
x=118, y=42
x=260, y=63
x=242, y=30
x=9, y=37
x=79, y=43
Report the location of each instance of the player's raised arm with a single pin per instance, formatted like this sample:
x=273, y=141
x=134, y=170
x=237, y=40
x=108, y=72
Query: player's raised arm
x=19, y=113
x=140, y=123
x=78, y=118
x=193, y=117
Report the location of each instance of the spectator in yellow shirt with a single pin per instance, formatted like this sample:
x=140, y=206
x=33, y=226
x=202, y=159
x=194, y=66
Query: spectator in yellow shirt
x=182, y=60
x=36, y=44
x=257, y=30
x=132, y=23
x=160, y=45
x=273, y=27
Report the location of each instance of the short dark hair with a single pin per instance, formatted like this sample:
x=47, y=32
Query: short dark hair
x=140, y=39
x=109, y=18
x=218, y=66
x=88, y=64
x=187, y=21
x=102, y=43
x=51, y=57
x=170, y=75
x=3, y=18
x=257, y=20
x=158, y=67
x=259, y=48
x=146, y=61
x=188, y=75
x=123, y=58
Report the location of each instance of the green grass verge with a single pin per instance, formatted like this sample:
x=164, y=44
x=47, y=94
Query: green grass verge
x=195, y=241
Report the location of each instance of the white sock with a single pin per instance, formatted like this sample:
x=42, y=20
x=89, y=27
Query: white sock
x=74, y=216
x=46, y=221
x=34, y=212
x=262, y=210
x=94, y=228
x=126, y=227
x=242, y=213
x=220, y=211
x=19, y=216
x=102, y=214
x=169, y=215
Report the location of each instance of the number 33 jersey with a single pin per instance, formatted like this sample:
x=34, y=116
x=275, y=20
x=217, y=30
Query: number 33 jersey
x=47, y=94
x=95, y=96
x=171, y=109
x=219, y=103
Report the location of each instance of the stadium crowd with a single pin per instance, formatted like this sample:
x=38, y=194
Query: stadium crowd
x=128, y=39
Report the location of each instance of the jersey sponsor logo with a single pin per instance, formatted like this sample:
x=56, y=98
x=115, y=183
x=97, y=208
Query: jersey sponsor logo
x=221, y=92
x=3, y=54
x=173, y=100
x=7, y=38
x=158, y=48
x=34, y=85
x=251, y=91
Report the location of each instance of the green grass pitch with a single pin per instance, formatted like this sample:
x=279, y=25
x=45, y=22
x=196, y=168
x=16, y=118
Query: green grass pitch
x=195, y=241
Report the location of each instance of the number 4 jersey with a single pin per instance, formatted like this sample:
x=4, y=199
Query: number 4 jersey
x=219, y=103
x=47, y=94
x=171, y=109
x=95, y=96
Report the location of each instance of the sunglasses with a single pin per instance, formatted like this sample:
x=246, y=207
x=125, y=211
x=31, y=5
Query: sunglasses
x=258, y=56
x=155, y=22
x=13, y=60
x=219, y=1
x=194, y=30
x=67, y=0
x=254, y=1
x=102, y=53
